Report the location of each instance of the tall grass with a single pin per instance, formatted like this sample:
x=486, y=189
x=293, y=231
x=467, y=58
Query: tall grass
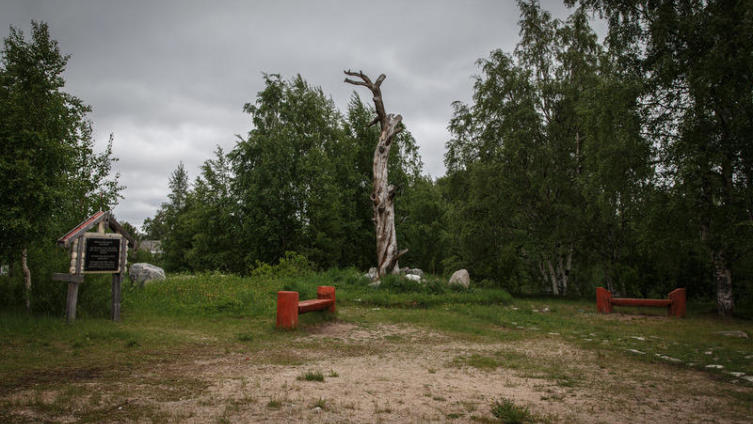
x=213, y=294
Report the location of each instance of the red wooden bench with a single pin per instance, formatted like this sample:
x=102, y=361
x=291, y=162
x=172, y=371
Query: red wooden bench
x=675, y=304
x=288, y=306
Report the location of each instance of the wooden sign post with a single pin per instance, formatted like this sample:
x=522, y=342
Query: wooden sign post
x=95, y=253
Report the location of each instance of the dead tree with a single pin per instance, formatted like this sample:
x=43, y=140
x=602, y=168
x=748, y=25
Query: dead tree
x=383, y=193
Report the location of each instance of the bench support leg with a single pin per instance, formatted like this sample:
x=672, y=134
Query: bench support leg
x=326, y=292
x=677, y=307
x=603, y=297
x=287, y=309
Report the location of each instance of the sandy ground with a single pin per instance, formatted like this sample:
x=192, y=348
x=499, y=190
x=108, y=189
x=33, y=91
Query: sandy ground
x=402, y=374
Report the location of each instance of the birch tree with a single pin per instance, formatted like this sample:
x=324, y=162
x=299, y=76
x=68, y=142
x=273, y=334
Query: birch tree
x=538, y=147
x=695, y=58
x=51, y=176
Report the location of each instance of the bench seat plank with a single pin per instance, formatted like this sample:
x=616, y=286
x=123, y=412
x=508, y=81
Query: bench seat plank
x=625, y=301
x=314, y=305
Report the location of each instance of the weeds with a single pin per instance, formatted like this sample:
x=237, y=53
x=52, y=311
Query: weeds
x=509, y=413
x=274, y=404
x=311, y=376
x=320, y=403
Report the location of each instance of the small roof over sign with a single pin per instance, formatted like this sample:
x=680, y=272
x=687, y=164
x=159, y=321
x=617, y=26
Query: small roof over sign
x=89, y=223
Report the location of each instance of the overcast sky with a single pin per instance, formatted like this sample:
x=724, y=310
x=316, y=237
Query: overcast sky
x=169, y=78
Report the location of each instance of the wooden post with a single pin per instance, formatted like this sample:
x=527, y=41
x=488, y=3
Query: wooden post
x=80, y=256
x=326, y=292
x=115, y=310
x=677, y=307
x=117, y=280
x=70, y=304
x=287, y=309
x=603, y=300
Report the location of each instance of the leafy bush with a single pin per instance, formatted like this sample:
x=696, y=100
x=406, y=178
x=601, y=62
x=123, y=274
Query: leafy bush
x=291, y=265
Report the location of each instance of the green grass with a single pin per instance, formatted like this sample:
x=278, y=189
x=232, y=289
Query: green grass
x=274, y=404
x=311, y=376
x=509, y=413
x=235, y=313
x=207, y=314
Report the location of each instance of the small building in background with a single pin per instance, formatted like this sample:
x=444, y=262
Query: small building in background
x=152, y=246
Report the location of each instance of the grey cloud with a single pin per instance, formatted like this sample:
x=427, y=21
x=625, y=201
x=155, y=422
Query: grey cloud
x=169, y=78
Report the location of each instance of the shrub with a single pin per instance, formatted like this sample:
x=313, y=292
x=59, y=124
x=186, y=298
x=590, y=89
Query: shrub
x=509, y=413
x=291, y=265
x=311, y=376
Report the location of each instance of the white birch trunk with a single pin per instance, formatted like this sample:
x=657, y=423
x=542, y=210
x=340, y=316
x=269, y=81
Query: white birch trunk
x=725, y=303
x=553, y=277
x=27, y=279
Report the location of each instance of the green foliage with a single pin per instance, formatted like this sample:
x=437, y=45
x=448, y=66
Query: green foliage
x=547, y=166
x=300, y=181
x=136, y=256
x=696, y=69
x=311, y=376
x=52, y=177
x=291, y=265
x=509, y=413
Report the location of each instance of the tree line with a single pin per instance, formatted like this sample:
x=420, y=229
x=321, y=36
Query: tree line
x=625, y=162
x=52, y=177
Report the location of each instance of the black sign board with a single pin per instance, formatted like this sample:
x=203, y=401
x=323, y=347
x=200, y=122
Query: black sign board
x=102, y=254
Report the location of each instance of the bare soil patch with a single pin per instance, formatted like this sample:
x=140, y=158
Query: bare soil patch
x=389, y=373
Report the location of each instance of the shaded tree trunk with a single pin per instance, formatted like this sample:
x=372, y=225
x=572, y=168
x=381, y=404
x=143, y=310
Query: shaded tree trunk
x=723, y=278
x=383, y=193
x=553, y=278
x=558, y=272
x=27, y=278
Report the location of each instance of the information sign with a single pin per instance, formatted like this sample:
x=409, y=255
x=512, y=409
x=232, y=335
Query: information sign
x=102, y=254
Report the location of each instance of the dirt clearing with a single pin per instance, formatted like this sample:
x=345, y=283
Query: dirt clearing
x=342, y=372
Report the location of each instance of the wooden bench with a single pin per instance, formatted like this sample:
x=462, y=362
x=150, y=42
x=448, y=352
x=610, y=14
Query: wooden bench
x=675, y=304
x=288, y=306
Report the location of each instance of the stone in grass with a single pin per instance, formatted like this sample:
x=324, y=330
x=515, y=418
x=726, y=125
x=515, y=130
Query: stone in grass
x=637, y=352
x=416, y=271
x=715, y=366
x=668, y=358
x=413, y=277
x=734, y=333
x=373, y=273
x=143, y=272
x=460, y=278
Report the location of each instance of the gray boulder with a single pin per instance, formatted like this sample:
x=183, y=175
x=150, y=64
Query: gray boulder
x=415, y=271
x=460, y=278
x=413, y=277
x=142, y=273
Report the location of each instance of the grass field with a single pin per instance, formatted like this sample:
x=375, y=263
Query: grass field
x=203, y=348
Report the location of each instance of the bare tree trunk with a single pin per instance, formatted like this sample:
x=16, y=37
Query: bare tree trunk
x=565, y=271
x=542, y=270
x=723, y=277
x=383, y=193
x=553, y=277
x=27, y=279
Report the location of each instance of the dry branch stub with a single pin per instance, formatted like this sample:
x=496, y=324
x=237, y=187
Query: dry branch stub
x=383, y=194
